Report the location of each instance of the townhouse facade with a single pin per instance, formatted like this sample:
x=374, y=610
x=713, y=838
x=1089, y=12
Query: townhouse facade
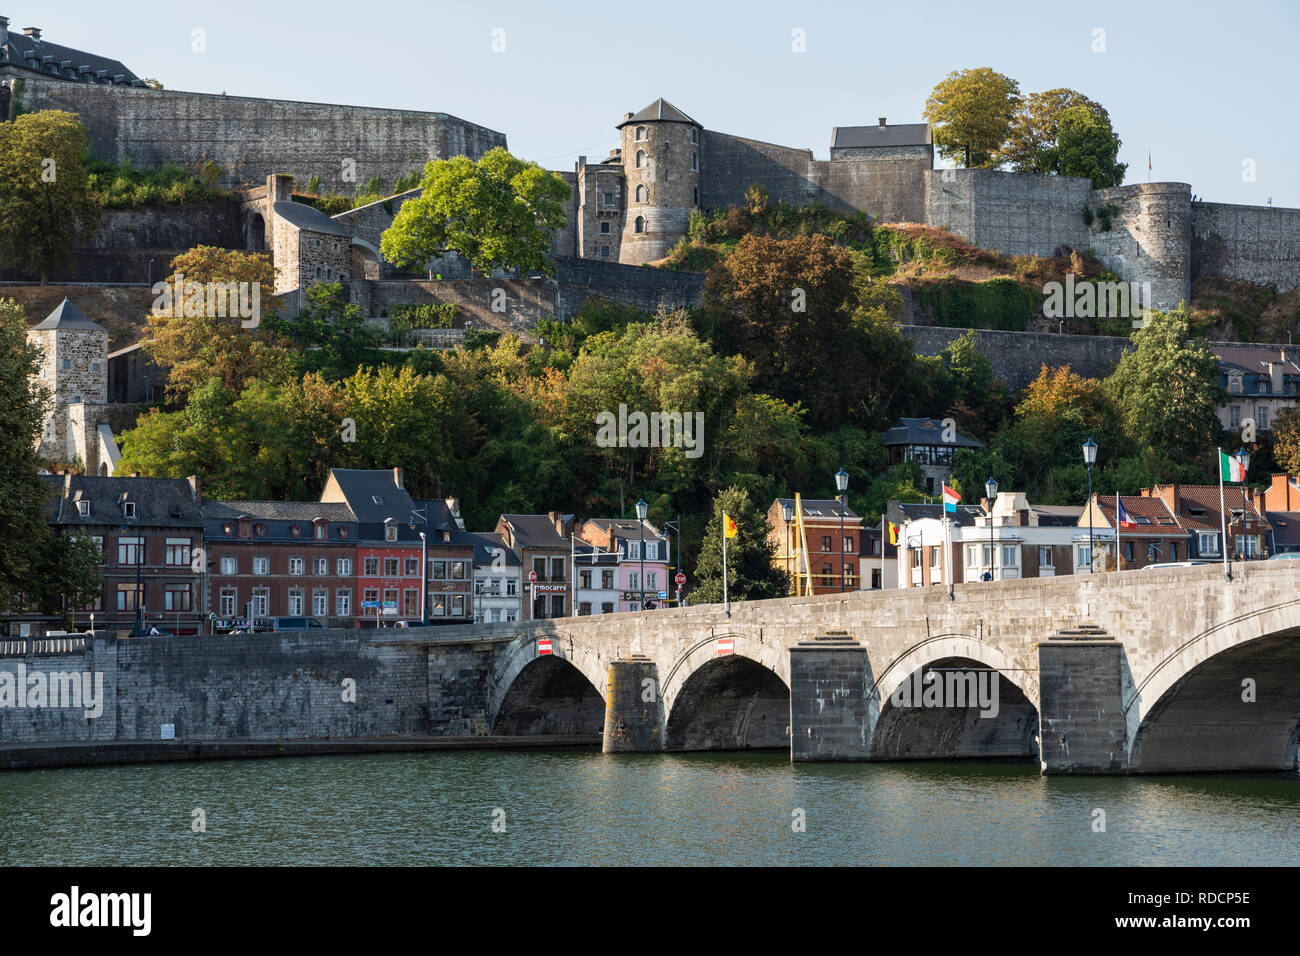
x=498, y=580
x=1258, y=382
x=639, y=549
x=544, y=551
x=1156, y=537
x=1197, y=510
x=1280, y=505
x=827, y=549
x=1012, y=539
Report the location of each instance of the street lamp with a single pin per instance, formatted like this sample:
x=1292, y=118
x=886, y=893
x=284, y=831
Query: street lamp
x=991, y=489
x=842, y=483
x=1244, y=457
x=1089, y=459
x=787, y=512
x=423, y=515
x=641, y=508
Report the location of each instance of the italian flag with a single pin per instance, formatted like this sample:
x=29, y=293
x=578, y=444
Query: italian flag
x=1231, y=468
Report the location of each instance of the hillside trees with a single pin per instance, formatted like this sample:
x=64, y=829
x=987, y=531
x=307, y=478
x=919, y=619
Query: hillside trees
x=751, y=573
x=1065, y=133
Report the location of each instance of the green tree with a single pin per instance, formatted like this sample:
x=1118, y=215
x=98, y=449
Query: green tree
x=329, y=335
x=972, y=112
x=499, y=213
x=752, y=573
x=46, y=202
x=22, y=493
x=1167, y=389
x=1033, y=140
x=67, y=575
x=1086, y=147
x=1286, y=441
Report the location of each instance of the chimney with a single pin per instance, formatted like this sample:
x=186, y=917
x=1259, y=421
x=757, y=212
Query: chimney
x=279, y=187
x=397, y=477
x=557, y=519
x=67, y=484
x=1275, y=376
x=626, y=117
x=196, y=488
x=4, y=30
x=33, y=32
x=882, y=122
x=453, y=505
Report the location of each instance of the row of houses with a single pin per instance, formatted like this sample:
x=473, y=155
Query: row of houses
x=1009, y=537
x=354, y=558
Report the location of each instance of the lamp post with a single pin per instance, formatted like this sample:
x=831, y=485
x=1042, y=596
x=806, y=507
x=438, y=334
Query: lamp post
x=841, y=484
x=677, y=532
x=1089, y=459
x=423, y=515
x=787, y=512
x=991, y=489
x=1244, y=457
x=641, y=508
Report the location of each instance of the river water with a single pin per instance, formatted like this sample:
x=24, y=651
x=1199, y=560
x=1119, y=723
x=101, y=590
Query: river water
x=581, y=807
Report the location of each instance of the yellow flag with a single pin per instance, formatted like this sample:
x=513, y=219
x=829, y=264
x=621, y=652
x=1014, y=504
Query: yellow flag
x=728, y=525
x=893, y=533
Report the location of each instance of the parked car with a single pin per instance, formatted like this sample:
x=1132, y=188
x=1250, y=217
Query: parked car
x=294, y=624
x=412, y=624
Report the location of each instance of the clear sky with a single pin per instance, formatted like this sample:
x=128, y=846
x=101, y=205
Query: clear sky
x=1203, y=86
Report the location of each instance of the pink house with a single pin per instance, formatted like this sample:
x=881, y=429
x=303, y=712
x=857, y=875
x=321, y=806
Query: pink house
x=624, y=536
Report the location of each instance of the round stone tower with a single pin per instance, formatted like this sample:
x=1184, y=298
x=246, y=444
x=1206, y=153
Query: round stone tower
x=1151, y=238
x=661, y=166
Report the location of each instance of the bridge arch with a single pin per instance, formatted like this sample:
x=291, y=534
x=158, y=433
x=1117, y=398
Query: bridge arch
x=958, y=697
x=533, y=693
x=738, y=700
x=1227, y=698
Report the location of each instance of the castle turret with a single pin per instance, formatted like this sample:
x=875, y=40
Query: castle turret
x=74, y=367
x=1149, y=239
x=661, y=164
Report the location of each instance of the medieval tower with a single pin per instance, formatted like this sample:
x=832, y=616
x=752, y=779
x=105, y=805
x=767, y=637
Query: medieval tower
x=661, y=163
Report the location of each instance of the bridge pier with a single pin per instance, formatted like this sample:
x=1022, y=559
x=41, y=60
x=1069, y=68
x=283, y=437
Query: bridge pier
x=1082, y=727
x=634, y=709
x=829, y=682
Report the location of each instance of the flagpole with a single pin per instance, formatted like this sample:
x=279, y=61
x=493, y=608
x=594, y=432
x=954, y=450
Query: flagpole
x=947, y=555
x=1119, y=531
x=726, y=603
x=882, y=550
x=1223, y=518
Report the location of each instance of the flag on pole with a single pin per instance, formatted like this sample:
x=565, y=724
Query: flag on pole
x=728, y=531
x=950, y=500
x=1122, y=516
x=1231, y=468
x=729, y=526
x=893, y=533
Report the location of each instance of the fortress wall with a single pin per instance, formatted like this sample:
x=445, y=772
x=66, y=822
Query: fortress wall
x=1014, y=213
x=891, y=190
x=1017, y=357
x=639, y=286
x=731, y=164
x=252, y=138
x=1150, y=238
x=525, y=300
x=1258, y=244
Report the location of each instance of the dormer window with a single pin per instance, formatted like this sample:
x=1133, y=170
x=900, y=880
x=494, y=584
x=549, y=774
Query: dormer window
x=84, y=508
x=128, y=509
x=390, y=529
x=259, y=530
x=228, y=529
x=296, y=531
x=322, y=531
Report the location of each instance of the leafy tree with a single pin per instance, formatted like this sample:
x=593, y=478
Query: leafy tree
x=902, y=482
x=972, y=111
x=1086, y=147
x=1286, y=441
x=22, y=493
x=67, y=575
x=1031, y=146
x=499, y=213
x=752, y=573
x=329, y=335
x=196, y=347
x=46, y=201
x=1167, y=389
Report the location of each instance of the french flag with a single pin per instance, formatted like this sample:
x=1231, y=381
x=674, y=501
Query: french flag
x=1122, y=516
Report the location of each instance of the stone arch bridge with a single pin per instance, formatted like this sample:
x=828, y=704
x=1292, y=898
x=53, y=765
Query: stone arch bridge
x=1180, y=669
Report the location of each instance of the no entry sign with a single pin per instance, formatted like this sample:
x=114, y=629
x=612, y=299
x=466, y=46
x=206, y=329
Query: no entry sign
x=725, y=645
x=544, y=645
x=680, y=579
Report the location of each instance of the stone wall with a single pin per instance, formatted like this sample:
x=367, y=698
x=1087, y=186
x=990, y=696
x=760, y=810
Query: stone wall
x=1014, y=213
x=1017, y=357
x=1259, y=244
x=637, y=286
x=524, y=301
x=253, y=138
x=1149, y=239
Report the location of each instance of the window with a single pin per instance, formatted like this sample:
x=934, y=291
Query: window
x=262, y=565
x=584, y=581
x=458, y=570
x=539, y=567
x=295, y=602
x=370, y=595
x=84, y=508
x=390, y=531
x=1173, y=550
x=826, y=542
x=296, y=566
x=412, y=567
x=512, y=588
x=439, y=572
x=695, y=162
x=1208, y=541
x=848, y=545
x=295, y=531
x=343, y=567
x=609, y=199
x=695, y=135
x=1128, y=550
x=557, y=606
x=229, y=564
x=320, y=601
x=67, y=363
x=641, y=193
x=934, y=556
x=1261, y=416
x=458, y=605
x=1084, y=559
x=1045, y=558
x=695, y=195
x=640, y=158
x=1248, y=545
x=604, y=252
x=411, y=601
x=126, y=597
x=827, y=574
x=848, y=575
x=437, y=605
x=261, y=601
x=634, y=580
x=390, y=567
x=511, y=615
x=178, y=552
x=259, y=530
x=972, y=550
x=652, y=580
x=390, y=598
x=226, y=603
x=916, y=558
x=322, y=532
x=129, y=550
x=640, y=134
x=321, y=566
x=634, y=550
x=370, y=566
x=639, y=225
x=128, y=509
x=1010, y=555
x=605, y=608
x=94, y=366
x=607, y=579
x=176, y=597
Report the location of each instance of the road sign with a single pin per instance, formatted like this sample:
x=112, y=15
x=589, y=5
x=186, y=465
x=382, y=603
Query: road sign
x=726, y=645
x=532, y=577
x=680, y=579
x=370, y=604
x=544, y=645
x=663, y=595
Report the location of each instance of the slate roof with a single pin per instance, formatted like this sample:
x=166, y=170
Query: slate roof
x=1286, y=529
x=439, y=515
x=817, y=508
x=964, y=517
x=484, y=543
x=899, y=134
x=925, y=431
x=159, y=502
x=67, y=316
x=535, y=531
x=307, y=217
x=279, y=519
x=54, y=59
x=659, y=110
x=627, y=528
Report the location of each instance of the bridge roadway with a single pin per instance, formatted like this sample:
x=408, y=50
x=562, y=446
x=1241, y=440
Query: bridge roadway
x=1168, y=670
